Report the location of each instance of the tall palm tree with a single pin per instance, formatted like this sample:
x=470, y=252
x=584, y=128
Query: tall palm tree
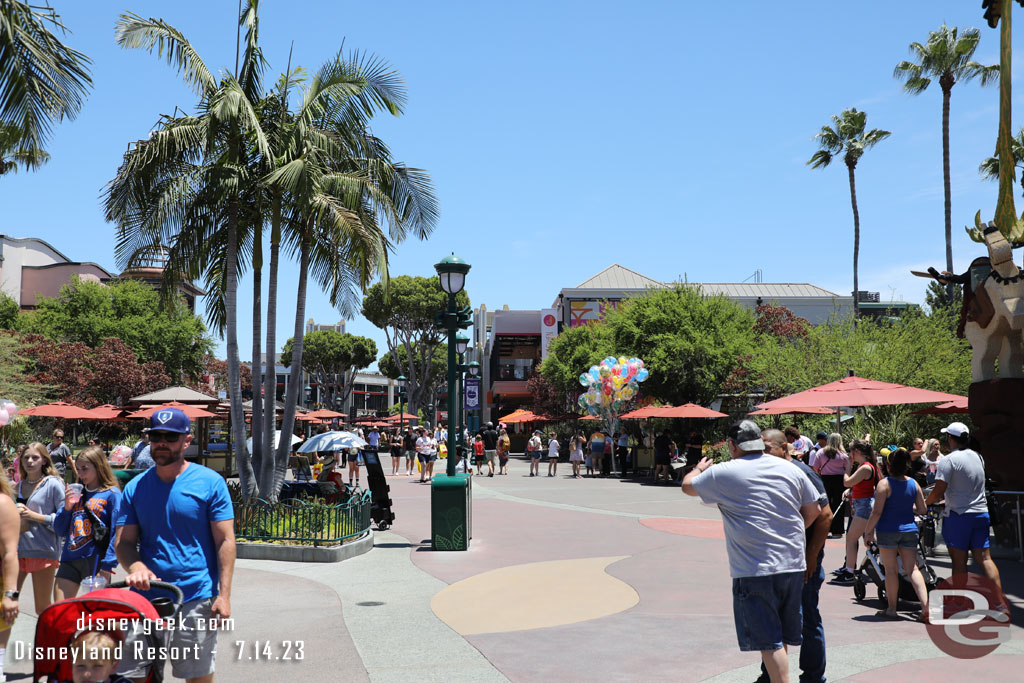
x=947, y=55
x=847, y=137
x=989, y=168
x=13, y=154
x=189, y=184
x=42, y=80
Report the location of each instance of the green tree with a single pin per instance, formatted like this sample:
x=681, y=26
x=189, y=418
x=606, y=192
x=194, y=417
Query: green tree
x=937, y=299
x=989, y=168
x=690, y=342
x=847, y=137
x=90, y=312
x=17, y=383
x=404, y=309
x=948, y=56
x=333, y=359
x=9, y=310
x=395, y=365
x=42, y=81
x=572, y=352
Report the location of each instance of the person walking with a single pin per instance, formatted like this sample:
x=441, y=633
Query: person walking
x=60, y=456
x=662, y=456
x=478, y=454
x=409, y=446
x=932, y=455
x=576, y=454
x=623, y=454
x=423, y=452
x=801, y=444
x=897, y=498
x=395, y=446
x=86, y=523
x=176, y=524
x=534, y=447
x=10, y=524
x=553, y=447
x=960, y=478
x=861, y=478
x=766, y=505
x=812, y=652
x=830, y=462
x=490, y=438
x=504, y=446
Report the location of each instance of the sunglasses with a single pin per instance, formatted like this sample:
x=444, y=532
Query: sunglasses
x=166, y=437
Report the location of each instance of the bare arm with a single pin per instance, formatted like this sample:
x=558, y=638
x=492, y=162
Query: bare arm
x=862, y=473
x=139, y=575
x=224, y=542
x=10, y=528
x=881, y=494
x=938, y=492
x=688, y=488
x=817, y=541
x=919, y=506
x=810, y=513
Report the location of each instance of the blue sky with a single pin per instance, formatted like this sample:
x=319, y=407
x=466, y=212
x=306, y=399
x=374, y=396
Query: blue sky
x=669, y=137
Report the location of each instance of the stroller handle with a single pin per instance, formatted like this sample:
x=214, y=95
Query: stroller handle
x=179, y=597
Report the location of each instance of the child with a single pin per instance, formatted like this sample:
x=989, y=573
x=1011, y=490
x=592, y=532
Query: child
x=95, y=656
x=478, y=454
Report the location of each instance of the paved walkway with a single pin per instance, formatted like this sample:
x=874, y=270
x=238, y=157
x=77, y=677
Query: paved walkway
x=565, y=579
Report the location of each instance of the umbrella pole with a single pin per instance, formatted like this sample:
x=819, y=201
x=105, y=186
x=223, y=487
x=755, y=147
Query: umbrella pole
x=839, y=421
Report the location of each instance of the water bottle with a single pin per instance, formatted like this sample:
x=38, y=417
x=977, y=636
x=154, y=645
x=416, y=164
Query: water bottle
x=93, y=583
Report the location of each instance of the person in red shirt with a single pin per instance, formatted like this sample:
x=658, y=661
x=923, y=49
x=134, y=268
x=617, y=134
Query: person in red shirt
x=478, y=454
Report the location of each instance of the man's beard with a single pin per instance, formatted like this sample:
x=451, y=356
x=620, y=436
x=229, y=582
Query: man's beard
x=165, y=457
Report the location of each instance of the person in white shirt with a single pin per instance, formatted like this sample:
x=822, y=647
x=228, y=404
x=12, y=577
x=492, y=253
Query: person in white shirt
x=433, y=458
x=423, y=452
x=553, y=455
x=533, y=449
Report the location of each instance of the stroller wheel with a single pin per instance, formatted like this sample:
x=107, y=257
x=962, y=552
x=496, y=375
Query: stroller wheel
x=382, y=525
x=881, y=593
x=859, y=590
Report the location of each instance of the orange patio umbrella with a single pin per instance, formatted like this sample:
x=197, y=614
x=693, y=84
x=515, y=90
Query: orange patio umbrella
x=58, y=409
x=792, y=411
x=192, y=412
x=108, y=413
x=324, y=413
x=688, y=410
x=643, y=413
x=855, y=392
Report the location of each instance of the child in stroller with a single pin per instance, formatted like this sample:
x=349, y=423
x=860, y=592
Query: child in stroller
x=95, y=619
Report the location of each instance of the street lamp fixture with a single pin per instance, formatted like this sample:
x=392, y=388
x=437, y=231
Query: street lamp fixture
x=461, y=342
x=452, y=273
x=401, y=404
x=474, y=369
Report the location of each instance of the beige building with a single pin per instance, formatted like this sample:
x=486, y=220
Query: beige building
x=31, y=268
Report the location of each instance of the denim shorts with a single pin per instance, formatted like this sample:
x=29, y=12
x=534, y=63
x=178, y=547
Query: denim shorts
x=896, y=539
x=966, y=531
x=194, y=637
x=767, y=611
x=862, y=507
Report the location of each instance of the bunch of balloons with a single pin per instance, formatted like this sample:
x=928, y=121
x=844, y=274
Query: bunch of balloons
x=7, y=412
x=611, y=385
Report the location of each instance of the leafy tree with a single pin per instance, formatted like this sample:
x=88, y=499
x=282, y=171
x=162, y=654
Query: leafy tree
x=79, y=374
x=394, y=365
x=780, y=322
x=547, y=398
x=936, y=298
x=333, y=359
x=42, y=81
x=947, y=55
x=9, y=310
x=847, y=137
x=89, y=312
x=572, y=352
x=214, y=377
x=989, y=168
x=16, y=382
x=404, y=308
x=688, y=341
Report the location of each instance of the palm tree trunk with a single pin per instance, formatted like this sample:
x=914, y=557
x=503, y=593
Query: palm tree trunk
x=946, y=92
x=245, y=473
x=270, y=379
x=856, y=241
x=258, y=452
x=288, y=419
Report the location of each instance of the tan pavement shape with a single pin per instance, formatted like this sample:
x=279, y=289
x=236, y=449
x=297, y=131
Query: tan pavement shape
x=534, y=595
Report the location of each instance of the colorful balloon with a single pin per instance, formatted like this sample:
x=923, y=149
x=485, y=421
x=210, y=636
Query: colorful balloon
x=4, y=418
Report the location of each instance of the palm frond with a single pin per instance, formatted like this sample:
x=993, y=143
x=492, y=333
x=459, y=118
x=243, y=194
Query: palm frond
x=134, y=32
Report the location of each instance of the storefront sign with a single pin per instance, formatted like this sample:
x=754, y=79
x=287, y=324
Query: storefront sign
x=548, y=329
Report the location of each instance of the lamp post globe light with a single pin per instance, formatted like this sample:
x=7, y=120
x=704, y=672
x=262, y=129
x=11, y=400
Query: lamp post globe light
x=461, y=345
x=474, y=369
x=401, y=405
x=451, y=495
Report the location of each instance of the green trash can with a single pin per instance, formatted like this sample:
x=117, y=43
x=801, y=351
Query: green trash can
x=451, y=511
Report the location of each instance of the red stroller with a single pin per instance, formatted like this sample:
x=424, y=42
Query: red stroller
x=59, y=623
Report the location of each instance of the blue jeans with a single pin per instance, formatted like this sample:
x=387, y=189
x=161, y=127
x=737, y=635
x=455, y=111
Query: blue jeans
x=812, y=652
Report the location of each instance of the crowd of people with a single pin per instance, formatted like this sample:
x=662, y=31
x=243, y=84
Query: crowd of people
x=66, y=523
x=777, y=518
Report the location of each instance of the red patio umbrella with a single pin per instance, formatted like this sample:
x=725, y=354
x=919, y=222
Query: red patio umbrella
x=403, y=416
x=857, y=391
x=324, y=413
x=58, y=409
x=688, y=410
x=108, y=413
x=643, y=413
x=523, y=416
x=798, y=411
x=193, y=412
x=957, y=406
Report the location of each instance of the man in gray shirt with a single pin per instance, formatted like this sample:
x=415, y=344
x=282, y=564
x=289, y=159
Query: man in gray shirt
x=766, y=505
x=960, y=477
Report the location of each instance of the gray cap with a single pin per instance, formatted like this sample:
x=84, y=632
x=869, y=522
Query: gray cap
x=746, y=435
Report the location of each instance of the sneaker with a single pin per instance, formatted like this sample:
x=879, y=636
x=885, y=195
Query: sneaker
x=845, y=576
x=837, y=572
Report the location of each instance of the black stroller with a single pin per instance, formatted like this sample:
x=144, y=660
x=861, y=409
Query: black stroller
x=871, y=570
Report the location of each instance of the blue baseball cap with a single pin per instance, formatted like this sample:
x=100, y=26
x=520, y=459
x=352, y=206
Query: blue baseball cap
x=170, y=420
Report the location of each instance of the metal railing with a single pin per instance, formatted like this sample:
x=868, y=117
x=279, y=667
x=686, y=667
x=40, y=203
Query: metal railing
x=303, y=522
x=1014, y=520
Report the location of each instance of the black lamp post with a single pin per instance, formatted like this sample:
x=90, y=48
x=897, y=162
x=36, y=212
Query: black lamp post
x=451, y=271
x=401, y=405
x=461, y=344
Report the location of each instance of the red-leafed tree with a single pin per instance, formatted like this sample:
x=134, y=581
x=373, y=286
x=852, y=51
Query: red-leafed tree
x=546, y=397
x=780, y=322
x=214, y=377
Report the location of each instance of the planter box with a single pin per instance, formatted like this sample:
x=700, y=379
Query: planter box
x=305, y=553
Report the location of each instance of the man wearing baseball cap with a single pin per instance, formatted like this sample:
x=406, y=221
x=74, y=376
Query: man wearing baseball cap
x=960, y=477
x=176, y=524
x=766, y=505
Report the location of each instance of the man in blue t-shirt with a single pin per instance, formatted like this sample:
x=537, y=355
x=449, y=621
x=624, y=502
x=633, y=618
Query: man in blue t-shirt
x=176, y=524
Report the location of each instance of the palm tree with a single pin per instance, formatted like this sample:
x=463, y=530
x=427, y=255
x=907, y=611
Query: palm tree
x=847, y=137
x=13, y=155
x=42, y=80
x=947, y=56
x=989, y=168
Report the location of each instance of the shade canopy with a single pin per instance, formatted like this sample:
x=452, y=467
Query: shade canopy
x=192, y=412
x=857, y=391
x=277, y=440
x=689, y=410
x=175, y=394
x=331, y=441
x=522, y=415
x=643, y=413
x=793, y=411
x=953, y=407
x=58, y=409
x=325, y=414
x=306, y=417
x=108, y=412
x=403, y=416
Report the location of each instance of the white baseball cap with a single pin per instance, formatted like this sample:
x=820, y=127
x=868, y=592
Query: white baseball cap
x=956, y=429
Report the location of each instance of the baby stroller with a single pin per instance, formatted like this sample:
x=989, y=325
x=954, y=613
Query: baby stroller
x=59, y=623
x=871, y=570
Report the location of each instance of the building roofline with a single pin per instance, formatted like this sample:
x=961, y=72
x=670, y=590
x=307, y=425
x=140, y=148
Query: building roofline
x=40, y=241
x=68, y=263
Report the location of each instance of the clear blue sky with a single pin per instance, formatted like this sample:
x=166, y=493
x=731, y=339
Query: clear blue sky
x=670, y=137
